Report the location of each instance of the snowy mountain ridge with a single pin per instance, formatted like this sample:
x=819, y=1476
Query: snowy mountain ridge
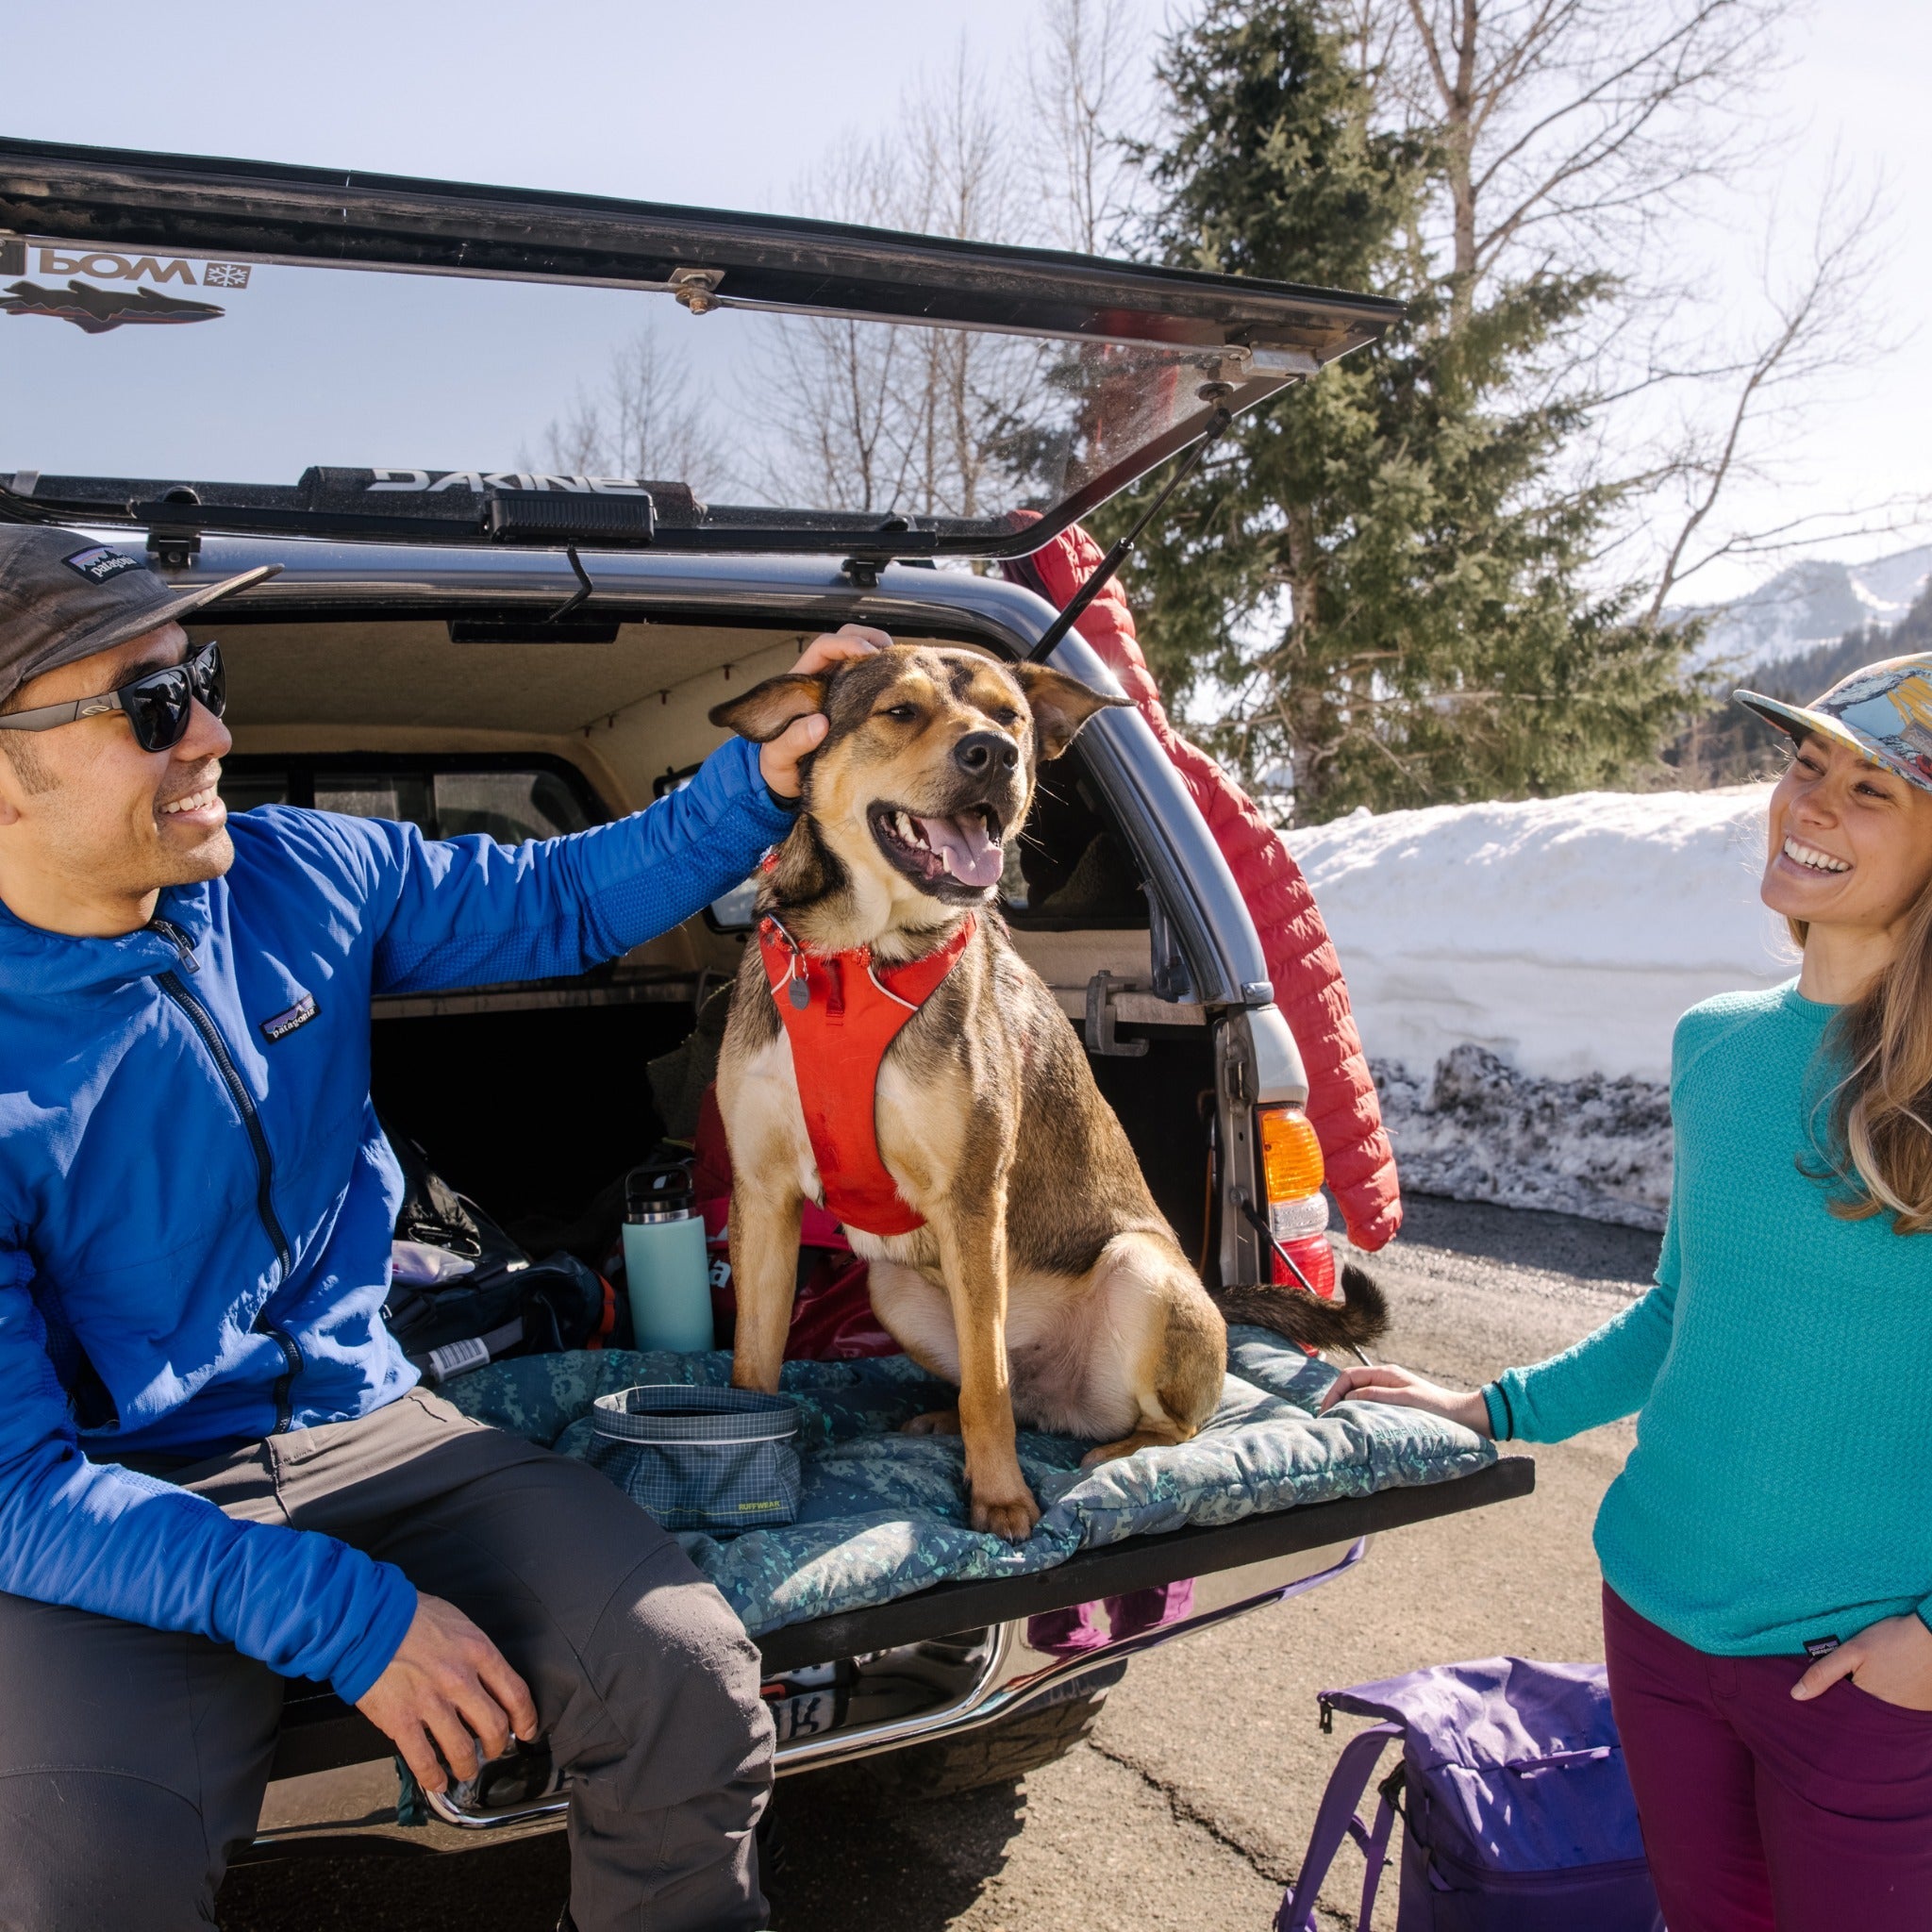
x=1811, y=603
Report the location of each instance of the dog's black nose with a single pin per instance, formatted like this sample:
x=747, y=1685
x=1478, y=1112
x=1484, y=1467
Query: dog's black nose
x=985, y=752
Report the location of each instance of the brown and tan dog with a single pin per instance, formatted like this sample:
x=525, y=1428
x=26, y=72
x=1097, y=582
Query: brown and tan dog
x=1045, y=1282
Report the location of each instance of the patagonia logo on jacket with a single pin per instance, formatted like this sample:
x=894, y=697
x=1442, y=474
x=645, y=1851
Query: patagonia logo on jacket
x=284, y=1024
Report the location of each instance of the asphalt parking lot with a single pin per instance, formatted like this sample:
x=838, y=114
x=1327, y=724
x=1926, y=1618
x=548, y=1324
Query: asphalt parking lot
x=1189, y=1806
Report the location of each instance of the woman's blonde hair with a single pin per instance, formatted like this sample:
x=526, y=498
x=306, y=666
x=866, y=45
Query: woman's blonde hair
x=1878, y=1126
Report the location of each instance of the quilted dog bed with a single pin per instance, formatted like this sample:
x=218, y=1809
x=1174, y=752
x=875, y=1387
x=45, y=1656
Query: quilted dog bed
x=882, y=1514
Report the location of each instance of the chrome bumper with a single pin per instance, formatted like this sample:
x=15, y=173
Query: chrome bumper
x=959, y=1685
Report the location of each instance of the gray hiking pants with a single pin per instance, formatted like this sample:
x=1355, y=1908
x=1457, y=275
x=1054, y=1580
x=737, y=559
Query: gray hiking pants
x=132, y=1759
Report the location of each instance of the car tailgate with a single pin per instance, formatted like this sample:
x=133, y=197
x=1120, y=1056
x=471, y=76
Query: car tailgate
x=319, y=1733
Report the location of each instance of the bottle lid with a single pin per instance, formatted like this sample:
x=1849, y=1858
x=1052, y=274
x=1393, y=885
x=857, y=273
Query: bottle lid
x=650, y=1192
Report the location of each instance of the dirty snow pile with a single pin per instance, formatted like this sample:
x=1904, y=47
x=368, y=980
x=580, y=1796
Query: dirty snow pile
x=1517, y=970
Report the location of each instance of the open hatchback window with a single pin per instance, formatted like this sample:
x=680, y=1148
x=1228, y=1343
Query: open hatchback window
x=198, y=344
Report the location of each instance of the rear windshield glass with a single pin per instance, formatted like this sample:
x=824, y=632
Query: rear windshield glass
x=508, y=804
x=377, y=391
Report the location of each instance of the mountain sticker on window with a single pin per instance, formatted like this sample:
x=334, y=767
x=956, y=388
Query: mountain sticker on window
x=94, y=311
x=282, y=1025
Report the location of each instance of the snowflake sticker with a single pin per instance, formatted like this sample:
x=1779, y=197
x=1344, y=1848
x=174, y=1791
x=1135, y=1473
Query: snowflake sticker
x=224, y=275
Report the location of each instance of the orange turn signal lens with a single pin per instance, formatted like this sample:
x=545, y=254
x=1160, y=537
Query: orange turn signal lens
x=1290, y=1156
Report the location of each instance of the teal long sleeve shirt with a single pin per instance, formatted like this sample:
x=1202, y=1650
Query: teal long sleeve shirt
x=1780, y=1370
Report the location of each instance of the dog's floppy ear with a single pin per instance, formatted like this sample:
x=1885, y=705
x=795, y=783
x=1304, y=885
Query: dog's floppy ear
x=1060, y=705
x=764, y=711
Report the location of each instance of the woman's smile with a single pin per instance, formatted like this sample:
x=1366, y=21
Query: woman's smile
x=1812, y=859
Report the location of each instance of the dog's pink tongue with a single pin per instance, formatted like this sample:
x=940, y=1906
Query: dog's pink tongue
x=971, y=858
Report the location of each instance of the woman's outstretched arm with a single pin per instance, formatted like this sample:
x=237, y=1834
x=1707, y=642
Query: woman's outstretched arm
x=1404, y=1388
x=1607, y=1375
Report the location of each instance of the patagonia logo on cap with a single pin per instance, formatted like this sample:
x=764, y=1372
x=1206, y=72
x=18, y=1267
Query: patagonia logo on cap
x=100, y=563
x=282, y=1025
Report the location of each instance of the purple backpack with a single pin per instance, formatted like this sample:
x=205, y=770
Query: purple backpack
x=1518, y=1813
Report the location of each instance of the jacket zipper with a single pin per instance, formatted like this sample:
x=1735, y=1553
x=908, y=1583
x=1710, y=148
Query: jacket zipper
x=203, y=1022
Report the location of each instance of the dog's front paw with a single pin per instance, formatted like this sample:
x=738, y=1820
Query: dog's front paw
x=1011, y=1517
x=936, y=1422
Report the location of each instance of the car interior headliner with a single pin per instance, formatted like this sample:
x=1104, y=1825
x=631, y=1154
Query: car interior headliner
x=637, y=707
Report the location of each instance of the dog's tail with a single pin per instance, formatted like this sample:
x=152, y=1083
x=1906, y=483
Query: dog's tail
x=1360, y=1317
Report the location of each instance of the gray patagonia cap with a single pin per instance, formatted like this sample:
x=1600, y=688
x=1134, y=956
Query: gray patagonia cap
x=63, y=596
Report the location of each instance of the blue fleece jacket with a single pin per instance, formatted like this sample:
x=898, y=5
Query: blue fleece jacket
x=196, y=1202
x=1779, y=1369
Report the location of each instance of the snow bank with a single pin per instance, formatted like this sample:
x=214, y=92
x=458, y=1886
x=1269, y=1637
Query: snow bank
x=1564, y=935
x=1517, y=970
x=1482, y=1131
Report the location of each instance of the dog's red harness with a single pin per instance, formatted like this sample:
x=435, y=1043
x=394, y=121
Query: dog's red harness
x=841, y=1013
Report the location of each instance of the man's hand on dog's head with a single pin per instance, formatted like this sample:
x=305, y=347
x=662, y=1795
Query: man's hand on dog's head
x=778, y=761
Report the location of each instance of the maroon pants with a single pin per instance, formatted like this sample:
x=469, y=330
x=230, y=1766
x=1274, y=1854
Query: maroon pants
x=1761, y=1812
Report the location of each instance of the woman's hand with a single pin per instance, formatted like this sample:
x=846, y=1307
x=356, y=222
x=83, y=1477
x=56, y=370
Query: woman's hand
x=1407, y=1389
x=778, y=761
x=1891, y=1659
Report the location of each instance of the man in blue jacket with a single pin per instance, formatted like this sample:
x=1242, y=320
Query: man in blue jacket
x=216, y=1468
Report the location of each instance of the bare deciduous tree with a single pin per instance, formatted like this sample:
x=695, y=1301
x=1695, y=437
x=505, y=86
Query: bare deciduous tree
x=647, y=420
x=1569, y=128
x=1588, y=138
x=825, y=389
x=1085, y=86
x=1818, y=323
x=890, y=417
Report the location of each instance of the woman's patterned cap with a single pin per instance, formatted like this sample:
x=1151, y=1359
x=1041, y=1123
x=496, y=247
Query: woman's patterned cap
x=1884, y=712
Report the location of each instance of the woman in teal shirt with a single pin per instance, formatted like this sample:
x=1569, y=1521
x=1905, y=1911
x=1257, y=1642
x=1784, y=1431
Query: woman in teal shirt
x=1767, y=1551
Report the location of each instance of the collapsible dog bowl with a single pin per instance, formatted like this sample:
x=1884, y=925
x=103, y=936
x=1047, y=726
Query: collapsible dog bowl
x=718, y=1459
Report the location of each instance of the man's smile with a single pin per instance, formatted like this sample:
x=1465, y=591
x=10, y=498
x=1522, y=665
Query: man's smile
x=202, y=806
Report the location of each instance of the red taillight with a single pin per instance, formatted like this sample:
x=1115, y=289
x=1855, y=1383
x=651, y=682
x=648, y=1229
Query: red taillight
x=1312, y=1255
x=1292, y=1175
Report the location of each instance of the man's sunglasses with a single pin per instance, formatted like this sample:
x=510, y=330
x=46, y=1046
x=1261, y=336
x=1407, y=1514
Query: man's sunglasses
x=159, y=703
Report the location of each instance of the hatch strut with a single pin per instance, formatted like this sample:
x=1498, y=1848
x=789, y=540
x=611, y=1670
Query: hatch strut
x=1050, y=637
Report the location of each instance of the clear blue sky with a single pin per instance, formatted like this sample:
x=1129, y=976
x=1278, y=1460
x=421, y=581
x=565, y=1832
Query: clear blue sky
x=717, y=102
x=725, y=103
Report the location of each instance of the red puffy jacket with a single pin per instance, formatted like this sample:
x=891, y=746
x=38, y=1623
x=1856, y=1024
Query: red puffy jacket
x=1309, y=988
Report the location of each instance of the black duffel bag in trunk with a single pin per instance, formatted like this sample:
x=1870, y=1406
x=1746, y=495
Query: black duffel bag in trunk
x=462, y=1292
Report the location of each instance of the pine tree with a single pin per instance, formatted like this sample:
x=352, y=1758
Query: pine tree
x=1379, y=582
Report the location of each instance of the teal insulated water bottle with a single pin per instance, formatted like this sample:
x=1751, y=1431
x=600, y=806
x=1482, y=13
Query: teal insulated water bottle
x=666, y=1270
